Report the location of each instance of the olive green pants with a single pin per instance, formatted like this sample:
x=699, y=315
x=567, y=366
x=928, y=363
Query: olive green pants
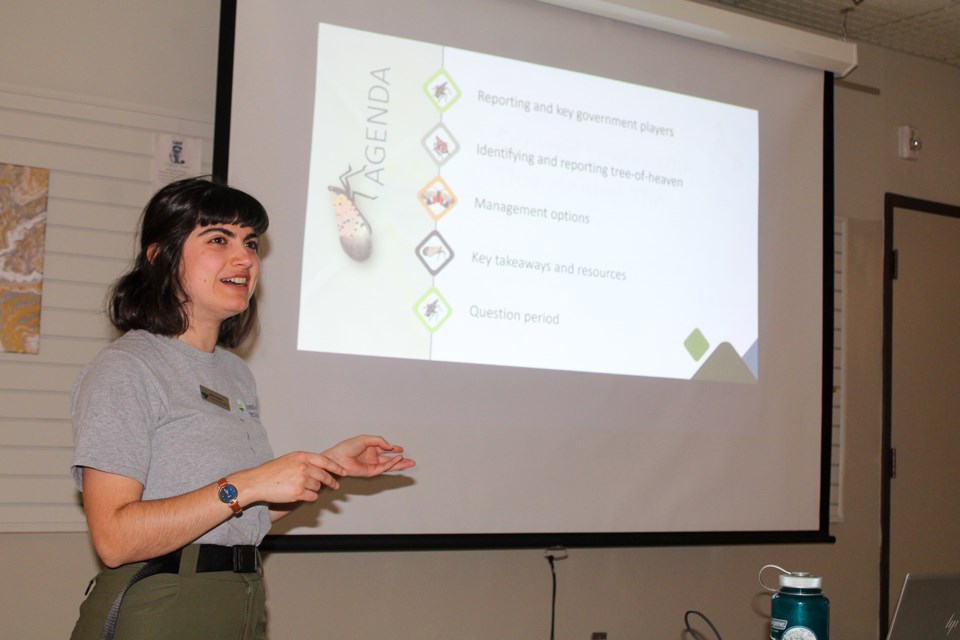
x=185, y=606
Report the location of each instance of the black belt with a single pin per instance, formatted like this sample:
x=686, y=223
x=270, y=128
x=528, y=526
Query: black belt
x=242, y=558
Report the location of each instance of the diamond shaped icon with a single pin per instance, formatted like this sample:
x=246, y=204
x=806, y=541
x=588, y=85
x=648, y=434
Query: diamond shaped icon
x=696, y=344
x=440, y=144
x=432, y=310
x=434, y=252
x=437, y=198
x=442, y=91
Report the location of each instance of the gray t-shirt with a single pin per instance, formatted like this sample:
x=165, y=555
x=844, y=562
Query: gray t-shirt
x=173, y=418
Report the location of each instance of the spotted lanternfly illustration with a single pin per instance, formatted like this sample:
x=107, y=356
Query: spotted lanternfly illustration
x=431, y=252
x=438, y=196
x=441, y=92
x=430, y=310
x=440, y=146
x=356, y=236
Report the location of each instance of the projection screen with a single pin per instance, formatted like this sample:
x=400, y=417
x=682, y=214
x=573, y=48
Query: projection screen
x=575, y=266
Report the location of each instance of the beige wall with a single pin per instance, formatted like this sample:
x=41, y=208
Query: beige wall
x=162, y=54
x=629, y=593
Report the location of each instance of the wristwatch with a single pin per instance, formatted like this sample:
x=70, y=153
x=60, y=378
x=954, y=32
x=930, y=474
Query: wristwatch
x=228, y=495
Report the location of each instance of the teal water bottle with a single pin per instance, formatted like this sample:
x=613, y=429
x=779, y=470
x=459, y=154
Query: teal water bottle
x=799, y=610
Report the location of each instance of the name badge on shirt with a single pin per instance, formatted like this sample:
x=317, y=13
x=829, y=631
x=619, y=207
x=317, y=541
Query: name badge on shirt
x=213, y=397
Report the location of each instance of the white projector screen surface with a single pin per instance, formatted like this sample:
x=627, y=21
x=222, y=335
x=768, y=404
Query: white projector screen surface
x=574, y=266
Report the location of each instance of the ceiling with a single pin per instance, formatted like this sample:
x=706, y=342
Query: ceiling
x=925, y=28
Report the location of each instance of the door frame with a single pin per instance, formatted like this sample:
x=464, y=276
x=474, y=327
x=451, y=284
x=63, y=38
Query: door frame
x=892, y=201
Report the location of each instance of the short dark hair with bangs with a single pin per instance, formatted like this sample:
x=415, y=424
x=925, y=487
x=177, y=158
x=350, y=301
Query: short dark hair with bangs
x=150, y=296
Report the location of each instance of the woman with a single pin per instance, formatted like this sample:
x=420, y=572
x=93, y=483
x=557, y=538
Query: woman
x=179, y=482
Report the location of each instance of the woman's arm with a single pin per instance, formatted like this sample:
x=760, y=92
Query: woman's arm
x=125, y=528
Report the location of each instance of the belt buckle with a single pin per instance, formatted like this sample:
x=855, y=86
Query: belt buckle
x=245, y=559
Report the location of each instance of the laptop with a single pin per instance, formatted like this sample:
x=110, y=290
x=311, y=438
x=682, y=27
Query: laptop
x=928, y=609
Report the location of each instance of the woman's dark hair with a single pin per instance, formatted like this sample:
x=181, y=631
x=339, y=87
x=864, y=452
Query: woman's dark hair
x=150, y=296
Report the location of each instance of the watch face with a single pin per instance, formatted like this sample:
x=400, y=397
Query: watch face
x=228, y=493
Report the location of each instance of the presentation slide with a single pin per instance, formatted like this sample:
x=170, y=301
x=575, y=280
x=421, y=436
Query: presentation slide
x=469, y=208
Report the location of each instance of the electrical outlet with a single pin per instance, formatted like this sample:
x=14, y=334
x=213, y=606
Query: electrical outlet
x=598, y=635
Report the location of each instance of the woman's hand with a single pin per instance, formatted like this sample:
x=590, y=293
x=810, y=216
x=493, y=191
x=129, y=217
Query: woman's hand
x=294, y=477
x=368, y=456
x=360, y=457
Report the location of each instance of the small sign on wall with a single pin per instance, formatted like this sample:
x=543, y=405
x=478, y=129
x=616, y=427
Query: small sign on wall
x=174, y=157
x=23, y=224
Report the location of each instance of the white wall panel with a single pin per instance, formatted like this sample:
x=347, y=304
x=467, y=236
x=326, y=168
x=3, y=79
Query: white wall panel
x=100, y=159
x=35, y=433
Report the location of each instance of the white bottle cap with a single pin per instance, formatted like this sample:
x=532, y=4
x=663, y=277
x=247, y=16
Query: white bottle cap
x=799, y=580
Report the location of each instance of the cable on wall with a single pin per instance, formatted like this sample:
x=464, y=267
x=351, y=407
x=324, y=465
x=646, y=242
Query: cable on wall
x=552, y=554
x=694, y=633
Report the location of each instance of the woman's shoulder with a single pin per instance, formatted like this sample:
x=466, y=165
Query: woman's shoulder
x=133, y=345
x=126, y=359
x=134, y=341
